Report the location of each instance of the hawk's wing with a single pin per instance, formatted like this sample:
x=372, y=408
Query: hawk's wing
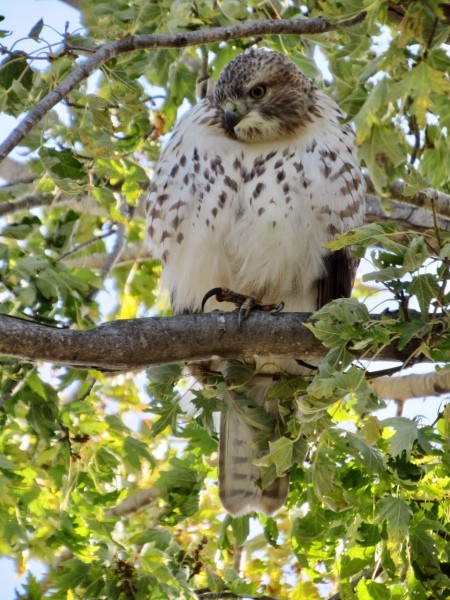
x=339, y=277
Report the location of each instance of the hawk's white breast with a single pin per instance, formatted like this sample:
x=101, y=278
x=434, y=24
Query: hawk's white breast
x=252, y=217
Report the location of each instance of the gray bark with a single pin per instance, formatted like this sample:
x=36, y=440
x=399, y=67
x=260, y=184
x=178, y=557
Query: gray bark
x=134, y=344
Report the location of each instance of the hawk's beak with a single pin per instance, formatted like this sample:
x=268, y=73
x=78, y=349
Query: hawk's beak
x=231, y=119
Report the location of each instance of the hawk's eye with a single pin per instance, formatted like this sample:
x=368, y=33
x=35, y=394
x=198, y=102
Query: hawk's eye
x=258, y=92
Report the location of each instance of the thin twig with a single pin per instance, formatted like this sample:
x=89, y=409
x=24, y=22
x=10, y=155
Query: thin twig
x=89, y=242
x=131, y=254
x=111, y=258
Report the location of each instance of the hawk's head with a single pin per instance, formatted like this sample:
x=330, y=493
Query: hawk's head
x=263, y=96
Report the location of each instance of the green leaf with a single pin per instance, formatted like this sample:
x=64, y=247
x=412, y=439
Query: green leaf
x=310, y=527
x=352, y=565
x=164, y=374
x=426, y=288
x=372, y=590
x=337, y=325
x=368, y=534
x=371, y=110
x=404, y=437
x=15, y=68
x=423, y=547
x=373, y=234
x=370, y=456
x=419, y=84
x=180, y=475
x=279, y=455
x=241, y=529
x=136, y=451
x=396, y=513
x=325, y=478
x=63, y=163
x=159, y=537
x=7, y=464
x=199, y=438
x=271, y=532
x=408, y=330
x=47, y=284
x=383, y=150
x=416, y=254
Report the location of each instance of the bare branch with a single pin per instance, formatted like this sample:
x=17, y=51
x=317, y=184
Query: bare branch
x=412, y=386
x=116, y=251
x=85, y=205
x=132, y=253
x=134, y=344
x=26, y=202
x=405, y=215
x=428, y=198
x=13, y=171
x=164, y=40
x=134, y=503
x=100, y=257
x=111, y=258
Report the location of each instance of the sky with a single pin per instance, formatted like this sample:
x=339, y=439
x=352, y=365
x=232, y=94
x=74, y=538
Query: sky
x=20, y=17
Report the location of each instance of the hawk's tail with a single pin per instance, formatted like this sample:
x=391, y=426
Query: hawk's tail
x=241, y=424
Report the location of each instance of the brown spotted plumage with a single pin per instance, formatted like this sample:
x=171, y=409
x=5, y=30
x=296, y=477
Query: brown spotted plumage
x=254, y=181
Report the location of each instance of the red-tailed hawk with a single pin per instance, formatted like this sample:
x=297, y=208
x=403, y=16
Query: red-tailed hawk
x=256, y=178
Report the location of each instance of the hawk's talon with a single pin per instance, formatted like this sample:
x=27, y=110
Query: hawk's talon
x=217, y=292
x=244, y=310
x=278, y=309
x=244, y=303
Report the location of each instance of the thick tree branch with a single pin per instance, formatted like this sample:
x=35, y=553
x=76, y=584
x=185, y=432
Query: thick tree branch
x=406, y=216
x=138, y=343
x=412, y=386
x=428, y=198
x=421, y=204
x=15, y=172
x=164, y=40
x=26, y=202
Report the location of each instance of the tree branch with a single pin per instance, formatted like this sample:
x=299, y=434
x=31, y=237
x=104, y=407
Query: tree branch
x=134, y=344
x=430, y=199
x=164, y=40
x=427, y=198
x=135, y=502
x=132, y=253
x=405, y=215
x=26, y=202
x=412, y=386
x=14, y=172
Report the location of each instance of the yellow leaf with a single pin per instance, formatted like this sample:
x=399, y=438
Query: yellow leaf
x=304, y=589
x=372, y=430
x=128, y=308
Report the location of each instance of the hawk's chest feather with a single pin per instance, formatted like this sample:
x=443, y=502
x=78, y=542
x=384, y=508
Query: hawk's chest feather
x=253, y=217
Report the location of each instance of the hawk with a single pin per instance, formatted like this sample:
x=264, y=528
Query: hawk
x=255, y=179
